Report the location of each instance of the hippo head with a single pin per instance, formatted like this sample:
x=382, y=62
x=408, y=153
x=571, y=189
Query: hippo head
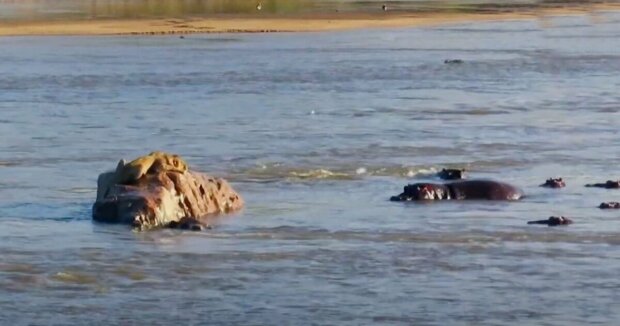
x=553, y=221
x=612, y=184
x=451, y=174
x=554, y=183
x=422, y=191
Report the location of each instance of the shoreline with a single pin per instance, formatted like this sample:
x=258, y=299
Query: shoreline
x=317, y=22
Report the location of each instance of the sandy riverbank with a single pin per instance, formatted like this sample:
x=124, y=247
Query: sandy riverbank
x=271, y=23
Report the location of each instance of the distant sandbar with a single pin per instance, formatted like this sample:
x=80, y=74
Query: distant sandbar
x=290, y=23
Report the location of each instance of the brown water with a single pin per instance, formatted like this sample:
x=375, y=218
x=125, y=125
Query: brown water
x=317, y=131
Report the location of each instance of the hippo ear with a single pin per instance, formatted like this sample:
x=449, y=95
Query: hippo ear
x=121, y=164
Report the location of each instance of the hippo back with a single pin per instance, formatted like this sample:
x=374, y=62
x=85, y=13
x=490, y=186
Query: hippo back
x=484, y=189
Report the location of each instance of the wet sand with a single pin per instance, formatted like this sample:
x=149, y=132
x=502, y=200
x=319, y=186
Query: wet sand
x=289, y=23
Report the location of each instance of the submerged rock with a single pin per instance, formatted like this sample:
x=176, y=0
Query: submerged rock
x=162, y=197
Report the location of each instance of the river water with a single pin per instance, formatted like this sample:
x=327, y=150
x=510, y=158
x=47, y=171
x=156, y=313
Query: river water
x=317, y=131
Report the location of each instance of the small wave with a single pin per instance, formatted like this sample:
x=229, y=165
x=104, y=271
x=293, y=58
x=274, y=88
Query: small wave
x=8, y=164
x=472, y=237
x=130, y=272
x=68, y=211
x=74, y=278
x=475, y=112
x=321, y=174
x=80, y=190
x=275, y=172
x=18, y=268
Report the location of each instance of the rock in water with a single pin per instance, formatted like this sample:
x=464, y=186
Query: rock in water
x=163, y=198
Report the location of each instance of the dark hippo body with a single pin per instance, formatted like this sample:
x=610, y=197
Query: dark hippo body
x=553, y=221
x=610, y=184
x=610, y=205
x=460, y=190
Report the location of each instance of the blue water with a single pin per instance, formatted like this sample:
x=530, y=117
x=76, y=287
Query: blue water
x=316, y=131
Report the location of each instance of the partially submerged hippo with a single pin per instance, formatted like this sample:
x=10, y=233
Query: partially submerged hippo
x=451, y=174
x=554, y=183
x=553, y=221
x=460, y=190
x=609, y=184
x=162, y=196
x=609, y=205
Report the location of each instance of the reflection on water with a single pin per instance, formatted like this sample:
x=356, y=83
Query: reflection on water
x=317, y=131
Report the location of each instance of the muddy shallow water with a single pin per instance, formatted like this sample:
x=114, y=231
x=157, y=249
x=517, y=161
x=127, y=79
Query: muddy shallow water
x=317, y=131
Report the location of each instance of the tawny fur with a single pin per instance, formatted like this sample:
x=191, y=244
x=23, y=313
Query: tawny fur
x=152, y=163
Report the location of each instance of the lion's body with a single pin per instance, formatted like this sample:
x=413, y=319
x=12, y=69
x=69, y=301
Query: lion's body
x=154, y=162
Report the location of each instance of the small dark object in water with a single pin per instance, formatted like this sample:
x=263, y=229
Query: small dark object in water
x=451, y=174
x=453, y=61
x=190, y=224
x=181, y=37
x=553, y=221
x=610, y=184
x=609, y=205
x=554, y=183
x=460, y=190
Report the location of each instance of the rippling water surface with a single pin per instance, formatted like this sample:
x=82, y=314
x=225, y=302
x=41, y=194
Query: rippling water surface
x=317, y=131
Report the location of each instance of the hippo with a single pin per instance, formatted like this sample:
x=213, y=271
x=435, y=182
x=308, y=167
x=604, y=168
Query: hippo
x=460, y=190
x=554, y=183
x=553, y=221
x=451, y=174
x=609, y=205
x=609, y=184
x=189, y=223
